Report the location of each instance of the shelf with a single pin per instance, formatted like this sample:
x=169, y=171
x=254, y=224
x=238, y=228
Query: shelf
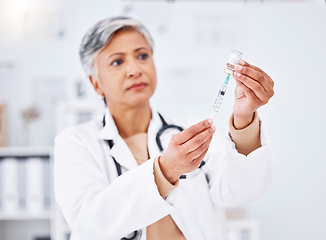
x=25, y=216
x=242, y=223
x=25, y=151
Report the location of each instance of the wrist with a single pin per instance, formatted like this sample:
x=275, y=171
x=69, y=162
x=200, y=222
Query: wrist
x=167, y=171
x=243, y=121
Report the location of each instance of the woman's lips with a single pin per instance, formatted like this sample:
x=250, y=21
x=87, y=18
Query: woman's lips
x=137, y=86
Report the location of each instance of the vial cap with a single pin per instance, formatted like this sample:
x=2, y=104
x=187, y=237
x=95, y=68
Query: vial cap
x=229, y=71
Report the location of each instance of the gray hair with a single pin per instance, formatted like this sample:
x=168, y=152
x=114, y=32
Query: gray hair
x=98, y=36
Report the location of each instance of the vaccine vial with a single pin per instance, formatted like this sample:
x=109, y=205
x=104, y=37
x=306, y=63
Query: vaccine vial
x=234, y=59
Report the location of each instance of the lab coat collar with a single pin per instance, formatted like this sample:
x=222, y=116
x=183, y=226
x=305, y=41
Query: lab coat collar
x=110, y=130
x=120, y=150
x=154, y=126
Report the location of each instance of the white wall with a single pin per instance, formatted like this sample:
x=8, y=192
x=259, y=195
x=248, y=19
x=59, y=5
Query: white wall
x=293, y=39
x=286, y=40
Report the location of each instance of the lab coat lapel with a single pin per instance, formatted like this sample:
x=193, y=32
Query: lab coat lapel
x=154, y=126
x=122, y=154
x=120, y=150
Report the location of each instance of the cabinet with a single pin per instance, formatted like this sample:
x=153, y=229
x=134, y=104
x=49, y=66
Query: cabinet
x=18, y=220
x=25, y=193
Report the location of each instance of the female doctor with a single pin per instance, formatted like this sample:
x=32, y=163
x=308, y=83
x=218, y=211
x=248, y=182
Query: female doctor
x=116, y=179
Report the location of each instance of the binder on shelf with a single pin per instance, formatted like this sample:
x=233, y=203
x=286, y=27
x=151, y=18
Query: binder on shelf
x=21, y=184
x=34, y=185
x=10, y=185
x=46, y=184
x=1, y=186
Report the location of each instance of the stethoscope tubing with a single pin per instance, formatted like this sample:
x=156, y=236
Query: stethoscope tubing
x=138, y=233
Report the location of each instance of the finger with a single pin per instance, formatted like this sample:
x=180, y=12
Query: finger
x=246, y=64
x=250, y=95
x=256, y=90
x=196, y=162
x=198, y=140
x=254, y=74
x=192, y=131
x=256, y=87
x=198, y=151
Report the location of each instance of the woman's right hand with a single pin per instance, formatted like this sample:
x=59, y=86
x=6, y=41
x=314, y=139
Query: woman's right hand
x=186, y=150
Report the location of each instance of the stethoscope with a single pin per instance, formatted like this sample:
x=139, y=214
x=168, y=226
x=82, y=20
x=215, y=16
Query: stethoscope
x=136, y=235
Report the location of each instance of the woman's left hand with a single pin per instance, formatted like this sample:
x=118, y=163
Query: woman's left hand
x=254, y=88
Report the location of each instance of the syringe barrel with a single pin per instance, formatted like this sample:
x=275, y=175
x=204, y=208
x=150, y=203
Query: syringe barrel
x=219, y=98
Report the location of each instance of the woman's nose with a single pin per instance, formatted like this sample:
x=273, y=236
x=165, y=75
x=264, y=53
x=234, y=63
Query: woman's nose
x=133, y=70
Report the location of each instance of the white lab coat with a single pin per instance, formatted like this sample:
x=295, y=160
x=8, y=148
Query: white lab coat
x=99, y=206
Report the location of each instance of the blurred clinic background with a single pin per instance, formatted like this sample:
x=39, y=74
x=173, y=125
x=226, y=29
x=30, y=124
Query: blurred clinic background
x=43, y=89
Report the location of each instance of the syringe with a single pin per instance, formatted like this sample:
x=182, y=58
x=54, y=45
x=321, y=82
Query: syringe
x=219, y=98
x=234, y=59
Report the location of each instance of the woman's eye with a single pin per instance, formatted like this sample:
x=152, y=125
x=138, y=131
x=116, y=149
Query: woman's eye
x=143, y=56
x=116, y=62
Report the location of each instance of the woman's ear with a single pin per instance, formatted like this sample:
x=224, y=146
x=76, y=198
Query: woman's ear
x=96, y=85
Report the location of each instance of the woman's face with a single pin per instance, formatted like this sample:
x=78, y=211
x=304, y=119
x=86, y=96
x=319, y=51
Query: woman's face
x=125, y=70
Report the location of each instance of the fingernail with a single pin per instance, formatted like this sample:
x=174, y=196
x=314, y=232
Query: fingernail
x=237, y=74
x=214, y=128
x=210, y=121
x=242, y=62
x=238, y=67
